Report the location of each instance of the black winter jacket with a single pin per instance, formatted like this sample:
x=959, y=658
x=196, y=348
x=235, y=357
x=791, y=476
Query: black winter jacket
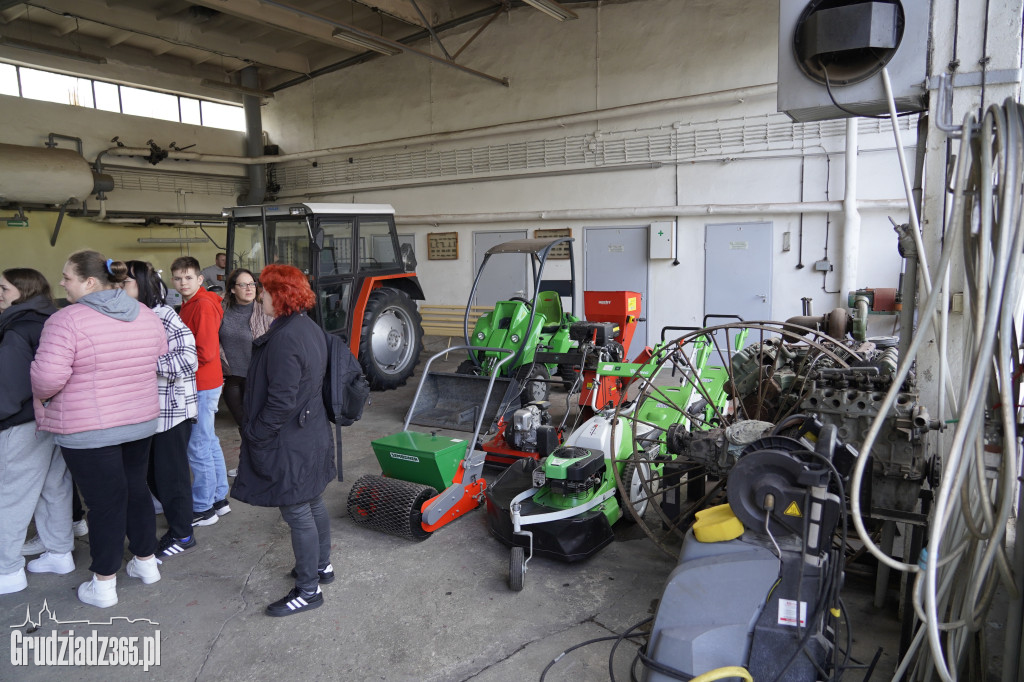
x=20, y=328
x=287, y=454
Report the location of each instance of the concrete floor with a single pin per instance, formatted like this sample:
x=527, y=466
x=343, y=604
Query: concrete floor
x=436, y=610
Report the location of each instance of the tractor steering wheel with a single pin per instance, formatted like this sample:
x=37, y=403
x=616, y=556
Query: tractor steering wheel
x=520, y=298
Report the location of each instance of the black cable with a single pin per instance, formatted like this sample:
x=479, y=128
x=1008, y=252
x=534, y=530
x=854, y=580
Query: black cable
x=828, y=88
x=618, y=640
x=559, y=657
x=657, y=667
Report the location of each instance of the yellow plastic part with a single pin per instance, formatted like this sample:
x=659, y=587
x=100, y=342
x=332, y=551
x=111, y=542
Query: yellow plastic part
x=725, y=673
x=717, y=524
x=835, y=612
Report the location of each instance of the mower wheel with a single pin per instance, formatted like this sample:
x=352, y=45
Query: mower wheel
x=534, y=379
x=516, y=568
x=389, y=505
x=633, y=478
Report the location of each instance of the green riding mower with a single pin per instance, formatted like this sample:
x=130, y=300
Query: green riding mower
x=524, y=326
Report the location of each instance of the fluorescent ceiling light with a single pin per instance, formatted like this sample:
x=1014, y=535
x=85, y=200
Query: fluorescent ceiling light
x=552, y=9
x=50, y=50
x=363, y=42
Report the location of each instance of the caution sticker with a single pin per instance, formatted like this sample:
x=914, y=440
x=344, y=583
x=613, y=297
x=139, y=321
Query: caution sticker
x=631, y=304
x=788, y=610
x=793, y=510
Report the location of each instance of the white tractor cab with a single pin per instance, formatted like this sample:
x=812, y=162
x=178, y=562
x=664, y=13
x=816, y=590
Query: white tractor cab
x=365, y=282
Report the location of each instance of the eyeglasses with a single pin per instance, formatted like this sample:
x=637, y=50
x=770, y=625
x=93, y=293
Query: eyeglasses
x=248, y=285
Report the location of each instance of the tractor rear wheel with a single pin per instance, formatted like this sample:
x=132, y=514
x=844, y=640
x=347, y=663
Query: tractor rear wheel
x=391, y=339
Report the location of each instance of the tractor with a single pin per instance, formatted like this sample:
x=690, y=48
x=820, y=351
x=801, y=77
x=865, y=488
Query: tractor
x=365, y=282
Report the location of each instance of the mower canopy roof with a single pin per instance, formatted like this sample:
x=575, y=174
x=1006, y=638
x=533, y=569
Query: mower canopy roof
x=534, y=246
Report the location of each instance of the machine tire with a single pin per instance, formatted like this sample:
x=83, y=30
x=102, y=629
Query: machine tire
x=534, y=380
x=391, y=339
x=467, y=367
x=634, y=485
x=569, y=376
x=516, y=568
x=389, y=505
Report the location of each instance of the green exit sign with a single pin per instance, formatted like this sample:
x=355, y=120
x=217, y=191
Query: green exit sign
x=17, y=223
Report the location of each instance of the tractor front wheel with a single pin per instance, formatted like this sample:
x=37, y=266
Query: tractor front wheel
x=391, y=339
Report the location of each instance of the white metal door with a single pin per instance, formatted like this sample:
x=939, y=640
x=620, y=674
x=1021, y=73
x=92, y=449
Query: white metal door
x=505, y=275
x=738, y=271
x=615, y=259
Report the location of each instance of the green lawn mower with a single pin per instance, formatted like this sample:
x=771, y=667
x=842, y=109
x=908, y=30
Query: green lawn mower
x=525, y=326
x=563, y=506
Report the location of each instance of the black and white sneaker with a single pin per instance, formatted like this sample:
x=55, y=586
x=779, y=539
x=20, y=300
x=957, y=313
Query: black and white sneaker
x=326, y=575
x=171, y=546
x=221, y=507
x=205, y=518
x=296, y=601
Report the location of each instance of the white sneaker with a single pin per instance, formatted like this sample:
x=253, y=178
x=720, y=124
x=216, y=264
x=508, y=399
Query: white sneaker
x=13, y=582
x=232, y=473
x=52, y=562
x=80, y=528
x=101, y=593
x=146, y=571
x=33, y=547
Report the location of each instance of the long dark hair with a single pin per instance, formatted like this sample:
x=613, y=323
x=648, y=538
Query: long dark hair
x=152, y=290
x=94, y=264
x=29, y=283
x=229, y=285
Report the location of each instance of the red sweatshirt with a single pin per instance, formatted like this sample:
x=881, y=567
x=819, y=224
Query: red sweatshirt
x=202, y=314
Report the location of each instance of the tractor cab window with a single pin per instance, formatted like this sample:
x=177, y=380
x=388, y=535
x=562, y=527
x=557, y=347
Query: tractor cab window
x=376, y=246
x=291, y=243
x=336, y=254
x=248, y=247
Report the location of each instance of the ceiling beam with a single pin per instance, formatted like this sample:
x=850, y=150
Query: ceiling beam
x=436, y=11
x=320, y=28
x=181, y=33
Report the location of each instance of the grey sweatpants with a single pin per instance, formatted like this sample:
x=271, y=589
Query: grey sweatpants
x=33, y=481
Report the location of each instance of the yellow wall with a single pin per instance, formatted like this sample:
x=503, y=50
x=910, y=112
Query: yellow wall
x=30, y=246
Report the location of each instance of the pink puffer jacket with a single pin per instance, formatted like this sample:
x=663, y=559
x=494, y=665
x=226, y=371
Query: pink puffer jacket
x=94, y=372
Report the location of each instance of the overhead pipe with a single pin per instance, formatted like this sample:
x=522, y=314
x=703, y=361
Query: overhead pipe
x=734, y=94
x=253, y=138
x=651, y=212
x=851, y=215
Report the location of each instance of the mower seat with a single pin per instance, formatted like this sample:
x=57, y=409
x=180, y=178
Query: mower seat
x=549, y=304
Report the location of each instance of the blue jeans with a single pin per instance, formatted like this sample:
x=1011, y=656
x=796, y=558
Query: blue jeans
x=209, y=475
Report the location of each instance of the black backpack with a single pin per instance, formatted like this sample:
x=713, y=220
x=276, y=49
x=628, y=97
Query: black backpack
x=345, y=390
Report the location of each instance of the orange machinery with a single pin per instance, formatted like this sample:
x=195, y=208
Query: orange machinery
x=604, y=336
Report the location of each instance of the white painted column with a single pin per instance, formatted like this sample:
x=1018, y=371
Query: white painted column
x=851, y=217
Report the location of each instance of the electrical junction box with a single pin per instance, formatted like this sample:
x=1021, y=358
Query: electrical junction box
x=842, y=46
x=662, y=240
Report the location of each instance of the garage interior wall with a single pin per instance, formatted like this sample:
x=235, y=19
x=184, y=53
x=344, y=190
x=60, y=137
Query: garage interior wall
x=632, y=110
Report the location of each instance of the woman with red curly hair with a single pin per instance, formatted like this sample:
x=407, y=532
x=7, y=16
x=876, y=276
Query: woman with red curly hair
x=287, y=456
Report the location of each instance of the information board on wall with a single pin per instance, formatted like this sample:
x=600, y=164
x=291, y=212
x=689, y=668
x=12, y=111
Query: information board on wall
x=443, y=246
x=560, y=251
